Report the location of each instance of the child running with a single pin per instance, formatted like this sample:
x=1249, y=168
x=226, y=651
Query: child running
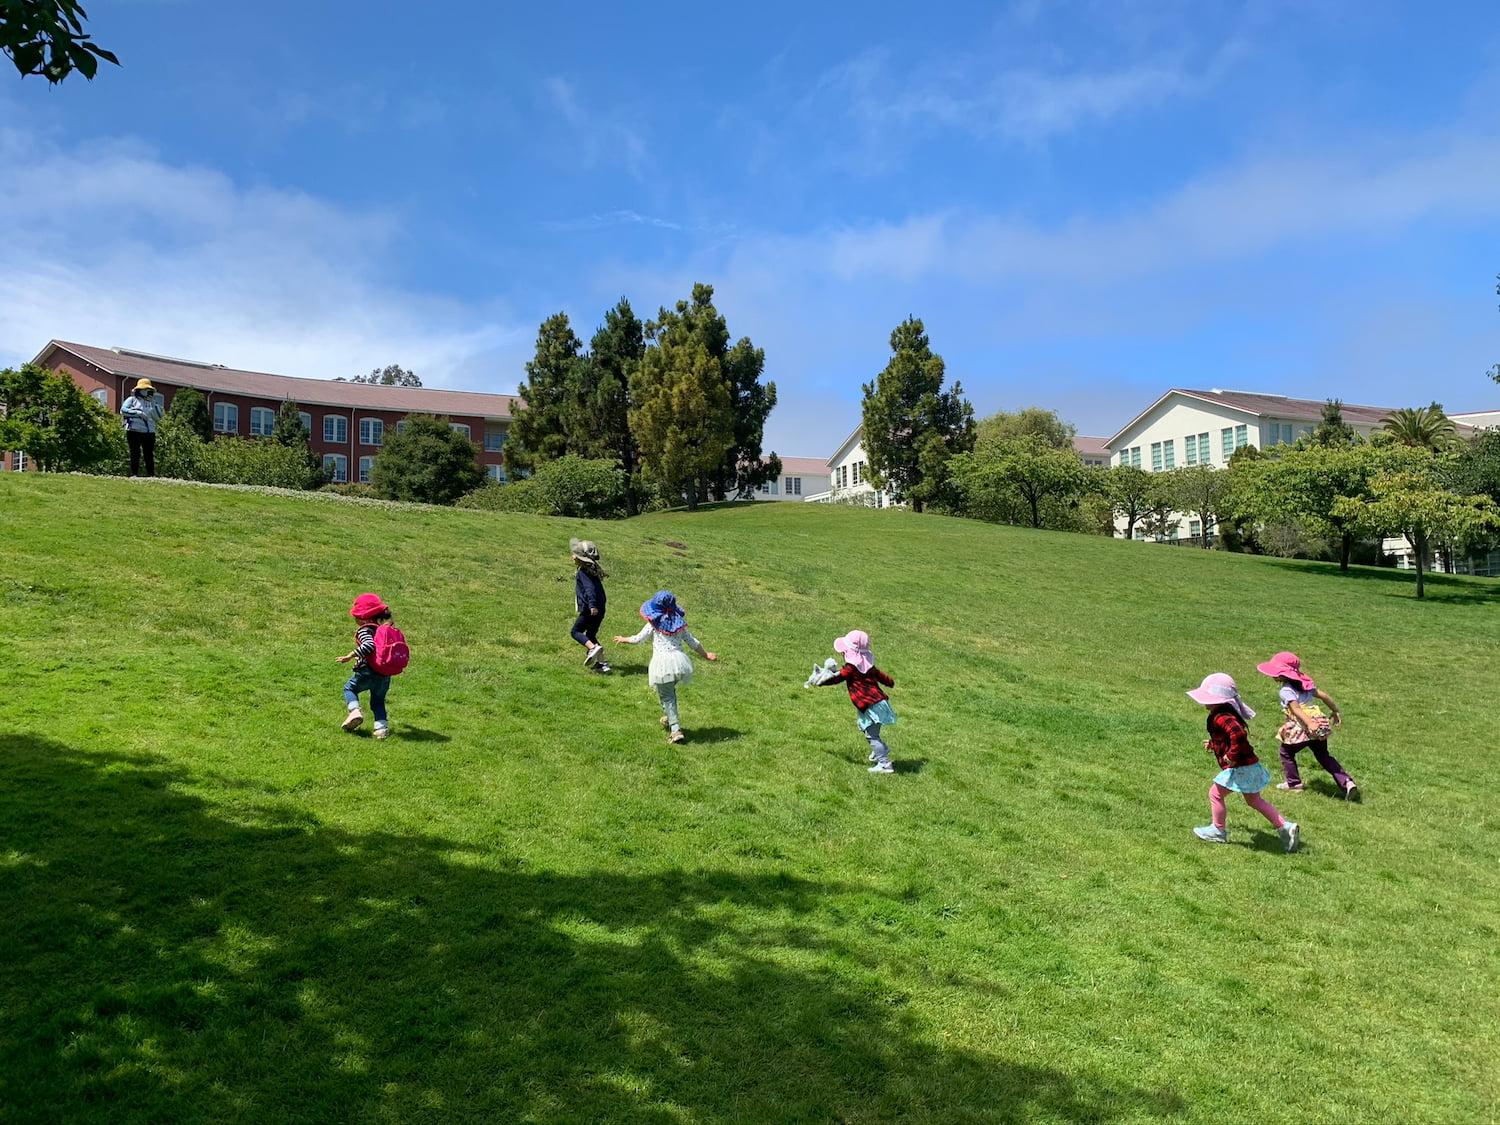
x=666, y=625
x=1302, y=702
x=370, y=612
x=1240, y=770
x=588, y=597
x=864, y=681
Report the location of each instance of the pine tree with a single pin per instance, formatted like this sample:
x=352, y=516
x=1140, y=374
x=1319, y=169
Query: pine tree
x=538, y=432
x=191, y=409
x=597, y=423
x=1332, y=430
x=912, y=426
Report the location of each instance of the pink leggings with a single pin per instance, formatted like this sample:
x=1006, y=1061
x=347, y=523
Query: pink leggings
x=1254, y=800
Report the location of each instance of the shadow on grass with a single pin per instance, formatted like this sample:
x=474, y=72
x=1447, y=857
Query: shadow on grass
x=712, y=734
x=167, y=959
x=909, y=765
x=1393, y=583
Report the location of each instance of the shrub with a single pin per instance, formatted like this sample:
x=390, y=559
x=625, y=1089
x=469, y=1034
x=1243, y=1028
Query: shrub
x=569, y=486
x=47, y=415
x=191, y=409
x=227, y=460
x=427, y=462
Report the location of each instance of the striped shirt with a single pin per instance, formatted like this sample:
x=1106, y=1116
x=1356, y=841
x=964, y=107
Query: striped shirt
x=364, y=646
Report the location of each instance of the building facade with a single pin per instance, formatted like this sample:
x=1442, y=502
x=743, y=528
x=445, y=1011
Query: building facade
x=848, y=472
x=348, y=422
x=800, y=478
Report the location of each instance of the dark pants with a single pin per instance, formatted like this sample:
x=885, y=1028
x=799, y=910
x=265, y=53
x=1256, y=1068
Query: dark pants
x=586, y=628
x=141, y=443
x=1324, y=758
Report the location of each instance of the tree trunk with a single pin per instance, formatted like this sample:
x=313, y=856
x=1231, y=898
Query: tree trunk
x=1346, y=548
x=1130, y=527
x=1036, y=515
x=1203, y=529
x=1419, y=545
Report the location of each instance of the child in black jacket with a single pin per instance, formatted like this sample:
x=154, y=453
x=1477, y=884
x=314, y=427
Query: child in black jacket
x=588, y=590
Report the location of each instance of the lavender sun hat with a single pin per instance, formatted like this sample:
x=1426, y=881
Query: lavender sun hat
x=1220, y=688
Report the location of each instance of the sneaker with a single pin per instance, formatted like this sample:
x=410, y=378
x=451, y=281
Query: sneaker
x=1211, y=834
x=882, y=767
x=872, y=757
x=603, y=666
x=382, y=732
x=676, y=736
x=593, y=654
x=1351, y=792
x=1291, y=835
x=1289, y=787
x=354, y=720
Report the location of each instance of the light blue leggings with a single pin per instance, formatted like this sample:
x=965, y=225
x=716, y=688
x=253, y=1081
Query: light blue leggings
x=667, y=693
x=879, y=751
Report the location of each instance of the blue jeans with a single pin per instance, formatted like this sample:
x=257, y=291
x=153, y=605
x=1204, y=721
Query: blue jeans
x=366, y=680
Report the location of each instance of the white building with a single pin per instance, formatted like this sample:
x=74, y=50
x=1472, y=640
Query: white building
x=800, y=478
x=1092, y=451
x=1479, y=419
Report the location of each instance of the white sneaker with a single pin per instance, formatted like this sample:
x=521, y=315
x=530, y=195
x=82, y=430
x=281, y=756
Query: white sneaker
x=354, y=720
x=882, y=767
x=1291, y=835
x=382, y=731
x=592, y=655
x=1212, y=835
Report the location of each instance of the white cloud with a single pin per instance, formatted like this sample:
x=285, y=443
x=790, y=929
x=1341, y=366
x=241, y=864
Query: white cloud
x=111, y=245
x=599, y=138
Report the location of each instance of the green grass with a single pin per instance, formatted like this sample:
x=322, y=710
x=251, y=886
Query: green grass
x=526, y=907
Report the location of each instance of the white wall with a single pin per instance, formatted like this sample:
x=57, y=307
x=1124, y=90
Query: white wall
x=848, y=478
x=793, y=486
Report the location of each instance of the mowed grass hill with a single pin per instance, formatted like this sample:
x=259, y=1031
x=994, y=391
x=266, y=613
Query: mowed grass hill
x=525, y=906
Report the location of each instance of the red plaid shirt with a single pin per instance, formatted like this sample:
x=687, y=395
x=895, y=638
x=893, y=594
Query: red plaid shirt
x=864, y=687
x=1230, y=740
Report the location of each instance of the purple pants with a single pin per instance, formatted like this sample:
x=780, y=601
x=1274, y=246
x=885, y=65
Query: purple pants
x=1324, y=758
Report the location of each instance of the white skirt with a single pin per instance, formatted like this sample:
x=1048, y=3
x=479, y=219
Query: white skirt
x=670, y=668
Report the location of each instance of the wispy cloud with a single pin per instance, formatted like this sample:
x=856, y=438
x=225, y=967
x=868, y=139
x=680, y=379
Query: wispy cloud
x=600, y=138
x=182, y=260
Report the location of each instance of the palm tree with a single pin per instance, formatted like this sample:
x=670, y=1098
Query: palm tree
x=1426, y=427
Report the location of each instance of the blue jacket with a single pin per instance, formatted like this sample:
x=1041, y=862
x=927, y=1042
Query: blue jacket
x=142, y=414
x=588, y=591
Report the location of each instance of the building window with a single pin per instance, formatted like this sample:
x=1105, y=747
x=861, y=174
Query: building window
x=101, y=396
x=1241, y=436
x=335, y=466
x=494, y=440
x=371, y=431
x=401, y=426
x=306, y=419
x=226, y=418
x=335, y=429
x=495, y=472
x=459, y=428
x=794, y=486
x=1135, y=456
x=1277, y=433
x=1169, y=451
x=1195, y=529
x=1156, y=463
x=366, y=467
x=262, y=421
x=18, y=460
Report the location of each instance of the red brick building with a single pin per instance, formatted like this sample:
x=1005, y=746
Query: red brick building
x=348, y=421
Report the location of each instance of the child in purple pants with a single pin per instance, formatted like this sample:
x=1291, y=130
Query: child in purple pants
x=1307, y=724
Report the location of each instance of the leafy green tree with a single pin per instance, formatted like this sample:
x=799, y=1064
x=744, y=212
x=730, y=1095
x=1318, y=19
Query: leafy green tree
x=46, y=415
x=46, y=38
x=681, y=411
x=1161, y=520
x=1425, y=427
x=392, y=375
x=1030, y=422
x=290, y=431
x=1409, y=496
x=428, y=462
x=1303, y=486
x=538, y=432
x=1128, y=490
x=597, y=418
x=1198, y=490
x=190, y=407
x=1025, y=475
x=1332, y=430
x=912, y=426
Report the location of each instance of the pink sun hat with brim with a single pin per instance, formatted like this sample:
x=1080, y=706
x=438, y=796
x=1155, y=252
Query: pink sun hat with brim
x=1220, y=688
x=1287, y=665
x=854, y=646
x=367, y=605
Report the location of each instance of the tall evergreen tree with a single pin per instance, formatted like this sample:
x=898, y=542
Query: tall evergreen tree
x=681, y=411
x=191, y=409
x=538, y=432
x=912, y=425
x=597, y=422
x=1332, y=430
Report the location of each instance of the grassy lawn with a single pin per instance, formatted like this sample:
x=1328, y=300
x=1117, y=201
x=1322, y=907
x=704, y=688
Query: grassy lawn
x=526, y=907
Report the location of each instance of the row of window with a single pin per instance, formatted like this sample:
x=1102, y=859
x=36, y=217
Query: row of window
x=846, y=476
x=335, y=426
x=793, y=487
x=1196, y=447
x=336, y=465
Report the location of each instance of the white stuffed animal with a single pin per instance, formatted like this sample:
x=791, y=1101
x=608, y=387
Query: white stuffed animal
x=822, y=673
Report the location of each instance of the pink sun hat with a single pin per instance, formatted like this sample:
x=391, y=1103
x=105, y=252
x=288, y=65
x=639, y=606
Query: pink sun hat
x=1287, y=665
x=1220, y=688
x=367, y=605
x=854, y=646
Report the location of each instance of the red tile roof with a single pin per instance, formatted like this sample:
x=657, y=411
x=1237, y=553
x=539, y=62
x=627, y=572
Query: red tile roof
x=813, y=466
x=1297, y=409
x=305, y=392
x=1091, y=447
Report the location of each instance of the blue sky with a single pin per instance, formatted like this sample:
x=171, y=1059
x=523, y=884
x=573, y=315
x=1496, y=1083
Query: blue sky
x=1086, y=202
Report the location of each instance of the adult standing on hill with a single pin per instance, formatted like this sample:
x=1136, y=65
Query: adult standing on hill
x=142, y=411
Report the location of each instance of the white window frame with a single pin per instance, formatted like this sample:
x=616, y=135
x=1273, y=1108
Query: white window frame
x=1169, y=453
x=461, y=428
x=366, y=469
x=340, y=465
x=18, y=460
x=401, y=426
x=495, y=473
x=371, y=432
x=266, y=426
x=307, y=421
x=497, y=437
x=336, y=422
x=101, y=396
x=1156, y=462
x=231, y=414
x=794, y=486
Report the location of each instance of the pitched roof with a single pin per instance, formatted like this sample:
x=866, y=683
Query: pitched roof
x=305, y=392
x=814, y=466
x=1090, y=447
x=1257, y=405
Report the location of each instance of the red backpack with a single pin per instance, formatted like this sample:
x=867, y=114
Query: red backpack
x=391, y=653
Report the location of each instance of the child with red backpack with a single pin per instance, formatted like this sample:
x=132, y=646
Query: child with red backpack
x=380, y=652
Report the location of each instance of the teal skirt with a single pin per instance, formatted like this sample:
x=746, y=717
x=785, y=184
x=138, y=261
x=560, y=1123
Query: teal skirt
x=879, y=714
x=1244, y=779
